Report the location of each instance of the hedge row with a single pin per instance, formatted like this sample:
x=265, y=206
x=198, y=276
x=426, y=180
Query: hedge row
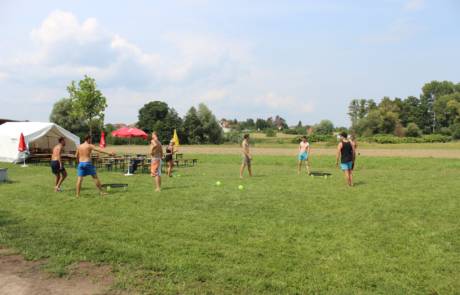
x=391, y=139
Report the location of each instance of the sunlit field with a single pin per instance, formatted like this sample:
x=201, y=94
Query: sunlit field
x=396, y=232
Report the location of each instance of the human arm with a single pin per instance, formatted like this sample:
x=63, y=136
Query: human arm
x=339, y=150
x=77, y=154
x=101, y=151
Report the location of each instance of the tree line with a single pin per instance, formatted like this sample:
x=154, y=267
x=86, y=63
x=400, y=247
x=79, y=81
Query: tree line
x=82, y=112
x=435, y=111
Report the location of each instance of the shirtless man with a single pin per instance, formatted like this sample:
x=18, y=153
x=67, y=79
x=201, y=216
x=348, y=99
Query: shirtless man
x=85, y=166
x=247, y=158
x=57, y=167
x=304, y=153
x=156, y=152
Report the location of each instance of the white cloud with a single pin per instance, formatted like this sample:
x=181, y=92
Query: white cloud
x=285, y=103
x=414, y=5
x=67, y=48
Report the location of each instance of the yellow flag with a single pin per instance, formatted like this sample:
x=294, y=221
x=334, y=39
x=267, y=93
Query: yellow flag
x=176, y=138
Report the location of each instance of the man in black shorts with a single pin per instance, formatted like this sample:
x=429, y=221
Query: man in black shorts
x=57, y=167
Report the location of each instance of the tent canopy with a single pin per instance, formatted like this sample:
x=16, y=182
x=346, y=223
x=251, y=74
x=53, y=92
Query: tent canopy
x=37, y=135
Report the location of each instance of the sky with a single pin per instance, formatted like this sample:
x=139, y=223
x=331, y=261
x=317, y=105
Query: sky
x=302, y=60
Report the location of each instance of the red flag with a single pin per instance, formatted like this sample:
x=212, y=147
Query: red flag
x=22, y=143
x=102, y=141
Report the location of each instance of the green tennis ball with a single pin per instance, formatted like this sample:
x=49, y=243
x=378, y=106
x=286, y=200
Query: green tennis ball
x=108, y=188
x=240, y=187
x=218, y=183
x=325, y=176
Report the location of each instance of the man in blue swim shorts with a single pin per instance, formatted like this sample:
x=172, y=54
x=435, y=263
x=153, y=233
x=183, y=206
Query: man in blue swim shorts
x=304, y=152
x=346, y=153
x=85, y=166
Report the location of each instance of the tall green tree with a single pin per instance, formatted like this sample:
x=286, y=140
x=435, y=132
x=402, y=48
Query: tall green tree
x=193, y=127
x=325, y=127
x=212, y=132
x=158, y=116
x=88, y=103
x=61, y=114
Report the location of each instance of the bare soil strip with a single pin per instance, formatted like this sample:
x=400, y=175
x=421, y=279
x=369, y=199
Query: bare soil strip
x=226, y=150
x=21, y=277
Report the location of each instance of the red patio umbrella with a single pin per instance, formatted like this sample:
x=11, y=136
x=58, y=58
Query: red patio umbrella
x=22, y=148
x=102, y=141
x=128, y=132
x=22, y=143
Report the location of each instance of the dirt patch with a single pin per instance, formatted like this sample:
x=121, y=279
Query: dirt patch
x=230, y=150
x=21, y=277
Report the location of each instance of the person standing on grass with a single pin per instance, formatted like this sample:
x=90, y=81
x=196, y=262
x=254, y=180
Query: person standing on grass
x=346, y=153
x=85, y=166
x=57, y=167
x=304, y=152
x=247, y=158
x=156, y=152
x=169, y=157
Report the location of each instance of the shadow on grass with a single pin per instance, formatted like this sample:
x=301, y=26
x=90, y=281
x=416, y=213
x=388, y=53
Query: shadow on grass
x=359, y=183
x=9, y=182
x=6, y=218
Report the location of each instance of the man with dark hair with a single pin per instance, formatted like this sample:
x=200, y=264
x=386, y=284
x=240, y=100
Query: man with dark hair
x=247, y=158
x=346, y=153
x=57, y=167
x=304, y=152
x=85, y=166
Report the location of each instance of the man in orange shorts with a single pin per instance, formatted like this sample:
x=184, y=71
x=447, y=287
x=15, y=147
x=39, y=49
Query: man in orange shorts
x=156, y=152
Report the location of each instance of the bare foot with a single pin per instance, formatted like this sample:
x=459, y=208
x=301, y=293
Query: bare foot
x=158, y=190
x=103, y=193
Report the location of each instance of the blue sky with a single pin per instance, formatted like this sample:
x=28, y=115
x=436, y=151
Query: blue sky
x=304, y=60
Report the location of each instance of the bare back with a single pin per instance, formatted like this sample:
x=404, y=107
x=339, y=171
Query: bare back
x=84, y=152
x=57, y=150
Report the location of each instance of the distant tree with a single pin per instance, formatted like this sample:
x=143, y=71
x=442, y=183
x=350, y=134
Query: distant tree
x=62, y=115
x=299, y=125
x=261, y=124
x=193, y=127
x=280, y=123
x=413, y=130
x=88, y=103
x=325, y=127
x=212, y=132
x=158, y=116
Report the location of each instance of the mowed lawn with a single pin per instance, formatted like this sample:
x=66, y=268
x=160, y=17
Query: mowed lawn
x=396, y=232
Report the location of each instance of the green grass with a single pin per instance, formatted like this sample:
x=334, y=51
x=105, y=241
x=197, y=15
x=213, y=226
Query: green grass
x=396, y=232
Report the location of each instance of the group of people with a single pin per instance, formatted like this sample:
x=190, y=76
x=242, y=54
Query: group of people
x=85, y=165
x=346, y=154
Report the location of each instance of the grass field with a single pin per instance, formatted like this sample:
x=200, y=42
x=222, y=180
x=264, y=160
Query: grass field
x=396, y=232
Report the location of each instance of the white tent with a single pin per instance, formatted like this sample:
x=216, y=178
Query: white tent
x=37, y=135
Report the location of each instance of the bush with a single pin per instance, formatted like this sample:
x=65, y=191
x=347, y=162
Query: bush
x=445, y=131
x=391, y=139
x=413, y=130
x=270, y=133
x=455, y=129
x=233, y=137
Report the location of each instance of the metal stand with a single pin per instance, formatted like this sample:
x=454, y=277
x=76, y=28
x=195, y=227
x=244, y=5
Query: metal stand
x=129, y=164
x=24, y=163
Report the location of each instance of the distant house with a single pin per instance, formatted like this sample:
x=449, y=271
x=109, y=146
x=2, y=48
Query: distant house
x=225, y=125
